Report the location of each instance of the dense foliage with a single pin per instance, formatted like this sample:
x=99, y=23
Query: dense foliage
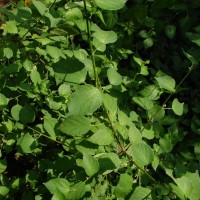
x=99, y=99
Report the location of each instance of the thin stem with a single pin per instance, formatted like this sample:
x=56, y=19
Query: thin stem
x=90, y=44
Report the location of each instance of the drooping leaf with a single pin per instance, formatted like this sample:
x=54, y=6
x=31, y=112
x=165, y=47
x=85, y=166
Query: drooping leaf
x=142, y=154
x=90, y=164
x=75, y=125
x=177, y=107
x=110, y=4
x=85, y=101
x=124, y=186
x=102, y=137
x=114, y=77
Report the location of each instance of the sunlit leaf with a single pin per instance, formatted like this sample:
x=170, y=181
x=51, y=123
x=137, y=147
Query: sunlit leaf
x=177, y=107
x=90, y=165
x=85, y=101
x=110, y=4
x=75, y=125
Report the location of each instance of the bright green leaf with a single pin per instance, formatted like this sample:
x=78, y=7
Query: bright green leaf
x=58, y=184
x=3, y=165
x=85, y=101
x=77, y=191
x=15, y=110
x=145, y=103
x=102, y=137
x=26, y=143
x=41, y=7
x=185, y=185
x=49, y=126
x=110, y=4
x=3, y=101
x=114, y=77
x=124, y=186
x=90, y=165
x=166, y=82
x=105, y=37
x=3, y=191
x=10, y=27
x=142, y=154
x=140, y=193
x=75, y=125
x=177, y=107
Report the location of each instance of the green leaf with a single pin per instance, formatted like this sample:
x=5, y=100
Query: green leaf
x=85, y=101
x=177, y=107
x=35, y=77
x=156, y=113
x=26, y=143
x=170, y=31
x=70, y=70
x=195, y=179
x=140, y=193
x=54, y=52
x=190, y=57
x=15, y=110
x=75, y=125
x=148, y=133
x=102, y=137
x=8, y=53
x=40, y=7
x=58, y=184
x=185, y=185
x=166, y=82
x=165, y=145
x=145, y=103
x=114, y=77
x=134, y=135
x=110, y=4
x=10, y=27
x=3, y=165
x=3, y=101
x=90, y=165
x=142, y=154
x=148, y=42
x=110, y=104
x=105, y=37
x=77, y=191
x=64, y=90
x=49, y=126
x=27, y=114
x=124, y=186
x=3, y=191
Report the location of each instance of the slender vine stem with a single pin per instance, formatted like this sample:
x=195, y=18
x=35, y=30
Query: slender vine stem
x=90, y=44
